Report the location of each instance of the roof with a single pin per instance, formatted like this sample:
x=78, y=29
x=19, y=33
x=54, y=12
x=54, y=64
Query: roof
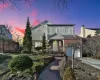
x=93, y=28
x=70, y=37
x=66, y=37
x=44, y=22
x=6, y=34
x=61, y=24
x=2, y=26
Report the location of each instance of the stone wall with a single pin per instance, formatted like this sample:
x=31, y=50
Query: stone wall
x=82, y=71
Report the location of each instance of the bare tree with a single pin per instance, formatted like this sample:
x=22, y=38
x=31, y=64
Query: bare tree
x=14, y=2
x=92, y=45
x=61, y=4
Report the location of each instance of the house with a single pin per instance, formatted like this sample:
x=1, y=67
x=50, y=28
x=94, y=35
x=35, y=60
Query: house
x=4, y=32
x=6, y=42
x=57, y=35
x=85, y=32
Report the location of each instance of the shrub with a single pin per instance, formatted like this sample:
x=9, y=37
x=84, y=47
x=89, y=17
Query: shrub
x=68, y=74
x=38, y=48
x=20, y=63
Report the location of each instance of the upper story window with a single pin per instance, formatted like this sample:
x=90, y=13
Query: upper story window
x=53, y=30
x=69, y=30
x=62, y=30
x=50, y=30
x=66, y=30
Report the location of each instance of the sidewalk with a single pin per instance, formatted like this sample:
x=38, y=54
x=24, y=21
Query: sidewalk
x=49, y=74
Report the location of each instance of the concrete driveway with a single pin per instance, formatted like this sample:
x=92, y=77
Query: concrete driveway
x=92, y=62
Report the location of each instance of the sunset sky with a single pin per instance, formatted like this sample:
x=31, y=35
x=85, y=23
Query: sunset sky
x=78, y=12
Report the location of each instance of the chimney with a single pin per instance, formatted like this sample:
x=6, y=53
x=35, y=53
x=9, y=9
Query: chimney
x=83, y=31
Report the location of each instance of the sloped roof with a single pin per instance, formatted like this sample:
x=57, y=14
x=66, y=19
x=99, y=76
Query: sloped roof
x=44, y=22
x=71, y=37
x=61, y=24
x=93, y=28
x=66, y=37
x=5, y=34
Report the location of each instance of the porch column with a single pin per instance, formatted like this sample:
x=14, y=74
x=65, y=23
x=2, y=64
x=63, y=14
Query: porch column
x=63, y=45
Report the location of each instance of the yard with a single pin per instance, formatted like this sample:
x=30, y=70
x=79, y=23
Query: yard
x=38, y=60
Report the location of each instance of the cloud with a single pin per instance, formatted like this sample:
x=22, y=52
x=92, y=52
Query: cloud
x=11, y=22
x=2, y=6
x=36, y=22
x=20, y=30
x=34, y=13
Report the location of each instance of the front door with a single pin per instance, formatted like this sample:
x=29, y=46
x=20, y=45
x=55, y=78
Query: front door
x=55, y=45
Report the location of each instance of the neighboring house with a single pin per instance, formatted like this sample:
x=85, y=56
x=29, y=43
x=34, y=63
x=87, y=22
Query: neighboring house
x=57, y=35
x=6, y=42
x=4, y=32
x=89, y=31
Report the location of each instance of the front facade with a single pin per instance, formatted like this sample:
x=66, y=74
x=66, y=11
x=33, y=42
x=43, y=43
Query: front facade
x=57, y=35
x=85, y=32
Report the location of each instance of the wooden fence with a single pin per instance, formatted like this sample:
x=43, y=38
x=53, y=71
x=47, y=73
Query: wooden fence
x=7, y=46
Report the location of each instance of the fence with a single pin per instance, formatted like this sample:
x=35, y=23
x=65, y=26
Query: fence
x=7, y=46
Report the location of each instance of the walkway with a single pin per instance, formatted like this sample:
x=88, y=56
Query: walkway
x=48, y=74
x=92, y=62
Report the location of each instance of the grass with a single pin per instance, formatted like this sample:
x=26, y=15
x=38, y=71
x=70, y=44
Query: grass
x=13, y=55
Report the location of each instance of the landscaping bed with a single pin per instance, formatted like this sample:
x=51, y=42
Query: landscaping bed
x=39, y=63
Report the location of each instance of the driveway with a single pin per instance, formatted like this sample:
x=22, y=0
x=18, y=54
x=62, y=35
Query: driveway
x=92, y=62
x=49, y=74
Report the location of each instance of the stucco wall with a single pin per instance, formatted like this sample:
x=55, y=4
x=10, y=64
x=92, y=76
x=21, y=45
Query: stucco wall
x=85, y=32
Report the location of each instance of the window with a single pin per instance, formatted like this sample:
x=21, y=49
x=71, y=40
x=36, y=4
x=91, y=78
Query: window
x=50, y=30
x=58, y=30
x=66, y=30
x=71, y=30
x=53, y=30
x=38, y=44
x=63, y=30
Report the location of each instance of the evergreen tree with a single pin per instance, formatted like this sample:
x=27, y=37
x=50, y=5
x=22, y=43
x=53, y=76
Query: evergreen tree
x=27, y=40
x=43, y=43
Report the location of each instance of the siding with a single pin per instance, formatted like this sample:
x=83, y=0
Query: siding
x=38, y=32
x=60, y=30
